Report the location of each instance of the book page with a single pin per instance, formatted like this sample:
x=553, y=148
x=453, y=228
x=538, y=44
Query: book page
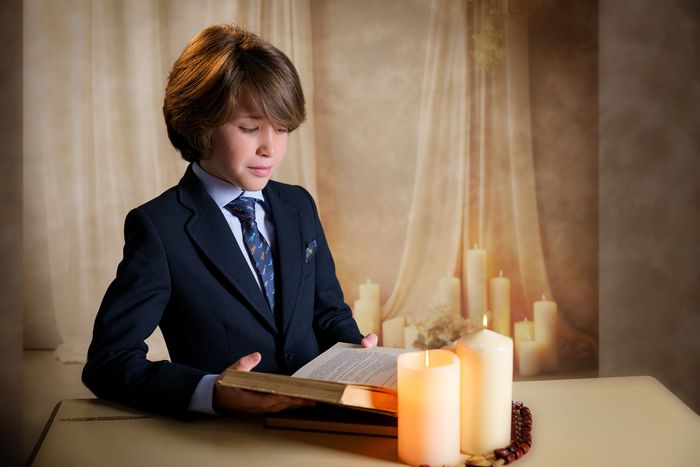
x=350, y=363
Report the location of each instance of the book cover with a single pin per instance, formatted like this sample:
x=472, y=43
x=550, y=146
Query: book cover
x=335, y=419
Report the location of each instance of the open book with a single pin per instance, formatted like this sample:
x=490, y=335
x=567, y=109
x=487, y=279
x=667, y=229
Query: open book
x=345, y=375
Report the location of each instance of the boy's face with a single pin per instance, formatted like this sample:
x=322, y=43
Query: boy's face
x=247, y=148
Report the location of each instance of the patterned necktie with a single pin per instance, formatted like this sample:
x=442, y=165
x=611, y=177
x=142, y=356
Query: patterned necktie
x=258, y=249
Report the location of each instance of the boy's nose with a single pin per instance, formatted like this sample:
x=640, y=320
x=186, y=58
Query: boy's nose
x=266, y=146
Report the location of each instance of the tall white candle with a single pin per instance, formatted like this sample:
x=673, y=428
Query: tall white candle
x=545, y=313
x=476, y=284
x=449, y=294
x=499, y=294
x=428, y=425
x=486, y=390
x=393, y=332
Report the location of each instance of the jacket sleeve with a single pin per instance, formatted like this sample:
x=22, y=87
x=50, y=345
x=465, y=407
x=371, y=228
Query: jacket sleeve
x=117, y=367
x=333, y=321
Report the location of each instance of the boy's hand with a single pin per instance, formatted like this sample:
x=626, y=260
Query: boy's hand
x=226, y=399
x=370, y=340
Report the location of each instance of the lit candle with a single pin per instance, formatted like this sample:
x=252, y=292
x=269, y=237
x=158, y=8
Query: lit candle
x=486, y=390
x=476, y=284
x=499, y=288
x=545, y=313
x=521, y=331
x=428, y=391
x=449, y=294
x=393, y=332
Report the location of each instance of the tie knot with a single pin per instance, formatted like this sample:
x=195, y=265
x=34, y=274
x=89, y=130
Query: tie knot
x=243, y=208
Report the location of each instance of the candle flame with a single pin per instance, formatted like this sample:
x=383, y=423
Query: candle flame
x=427, y=359
x=543, y=297
x=485, y=321
x=368, y=281
x=500, y=273
x=476, y=246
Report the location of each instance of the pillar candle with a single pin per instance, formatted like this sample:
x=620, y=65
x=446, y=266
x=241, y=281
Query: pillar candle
x=499, y=289
x=410, y=335
x=486, y=390
x=529, y=358
x=522, y=331
x=476, y=284
x=393, y=332
x=428, y=391
x=369, y=290
x=545, y=313
x=367, y=315
x=449, y=294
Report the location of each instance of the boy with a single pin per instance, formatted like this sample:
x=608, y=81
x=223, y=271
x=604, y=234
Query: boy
x=231, y=266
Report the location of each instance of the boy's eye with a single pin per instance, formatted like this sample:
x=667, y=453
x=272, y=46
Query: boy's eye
x=248, y=130
x=282, y=130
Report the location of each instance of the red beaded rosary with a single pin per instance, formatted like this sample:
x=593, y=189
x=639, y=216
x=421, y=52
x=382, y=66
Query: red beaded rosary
x=520, y=441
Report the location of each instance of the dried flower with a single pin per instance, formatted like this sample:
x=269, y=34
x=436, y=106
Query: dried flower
x=438, y=326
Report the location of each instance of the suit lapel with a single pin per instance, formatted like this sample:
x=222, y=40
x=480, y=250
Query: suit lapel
x=289, y=252
x=210, y=232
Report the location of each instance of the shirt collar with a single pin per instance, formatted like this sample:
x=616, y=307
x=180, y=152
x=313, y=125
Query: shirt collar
x=220, y=191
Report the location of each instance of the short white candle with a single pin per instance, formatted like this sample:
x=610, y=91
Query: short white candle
x=393, y=332
x=476, y=284
x=367, y=315
x=522, y=331
x=449, y=294
x=369, y=290
x=499, y=294
x=410, y=336
x=428, y=391
x=545, y=313
x=487, y=387
x=529, y=358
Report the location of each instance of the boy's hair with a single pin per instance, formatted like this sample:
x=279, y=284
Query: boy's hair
x=218, y=66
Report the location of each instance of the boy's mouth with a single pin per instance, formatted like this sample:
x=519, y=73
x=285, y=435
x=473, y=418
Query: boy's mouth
x=261, y=171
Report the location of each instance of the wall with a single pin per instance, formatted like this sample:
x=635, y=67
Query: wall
x=10, y=233
x=650, y=192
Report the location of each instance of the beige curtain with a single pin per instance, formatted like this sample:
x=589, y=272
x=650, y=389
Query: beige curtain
x=95, y=144
x=474, y=180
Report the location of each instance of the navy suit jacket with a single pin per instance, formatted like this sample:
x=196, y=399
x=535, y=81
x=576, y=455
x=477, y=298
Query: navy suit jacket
x=182, y=270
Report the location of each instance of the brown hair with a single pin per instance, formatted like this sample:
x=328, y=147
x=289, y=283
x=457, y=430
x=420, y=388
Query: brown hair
x=218, y=66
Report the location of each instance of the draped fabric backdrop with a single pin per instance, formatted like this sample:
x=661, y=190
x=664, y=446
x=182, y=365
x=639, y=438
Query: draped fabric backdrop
x=475, y=179
x=95, y=143
x=96, y=146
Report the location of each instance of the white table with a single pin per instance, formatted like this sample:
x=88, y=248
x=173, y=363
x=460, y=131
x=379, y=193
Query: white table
x=583, y=422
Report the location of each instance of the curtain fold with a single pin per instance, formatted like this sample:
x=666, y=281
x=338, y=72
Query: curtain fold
x=95, y=143
x=475, y=179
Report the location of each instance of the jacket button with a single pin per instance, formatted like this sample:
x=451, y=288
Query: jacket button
x=289, y=355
